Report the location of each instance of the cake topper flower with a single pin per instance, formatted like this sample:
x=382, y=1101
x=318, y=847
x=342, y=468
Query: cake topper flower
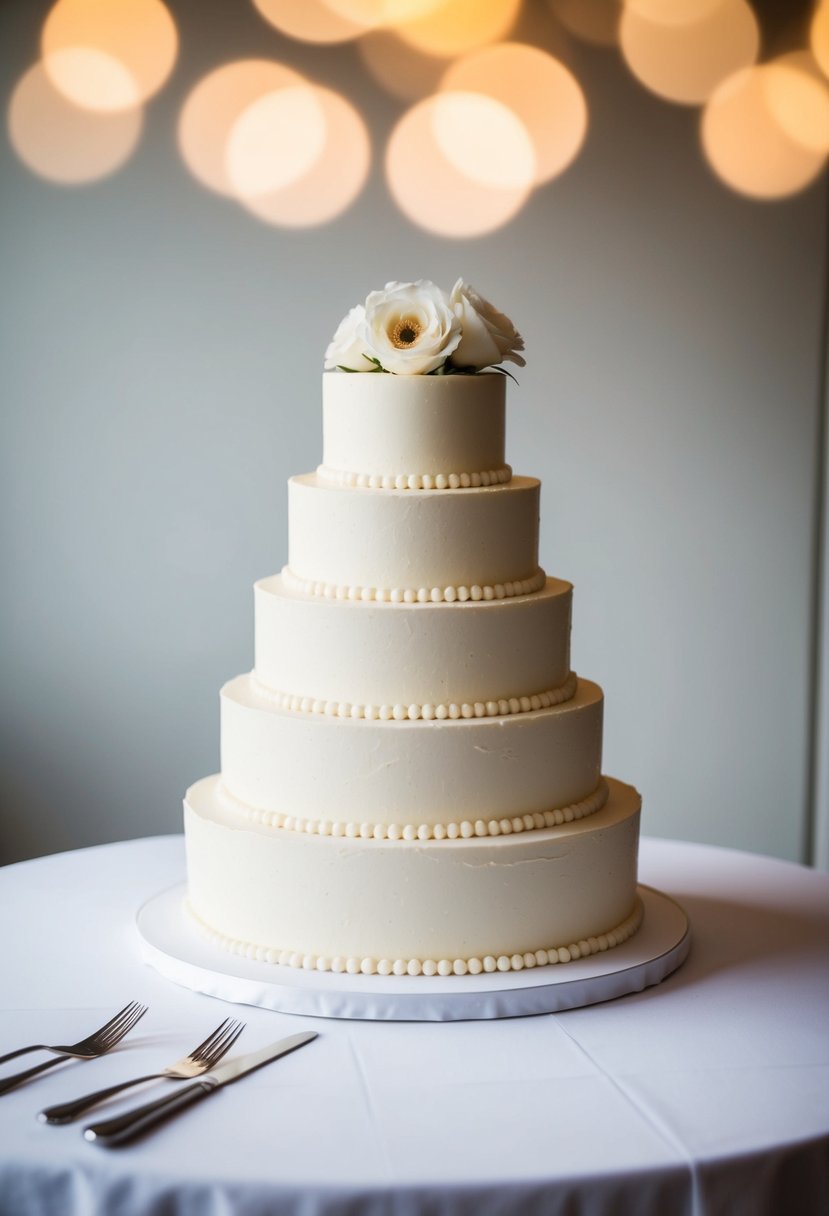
x=417, y=329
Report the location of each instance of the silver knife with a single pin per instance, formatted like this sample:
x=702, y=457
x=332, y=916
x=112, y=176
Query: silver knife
x=141, y=1118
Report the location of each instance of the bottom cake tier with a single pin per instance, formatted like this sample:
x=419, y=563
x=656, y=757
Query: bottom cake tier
x=435, y=907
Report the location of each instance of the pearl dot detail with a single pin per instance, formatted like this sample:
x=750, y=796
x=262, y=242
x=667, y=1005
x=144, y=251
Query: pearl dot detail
x=412, y=713
x=464, y=829
x=412, y=595
x=414, y=481
x=425, y=967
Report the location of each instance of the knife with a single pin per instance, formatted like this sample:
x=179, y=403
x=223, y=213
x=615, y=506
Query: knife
x=141, y=1118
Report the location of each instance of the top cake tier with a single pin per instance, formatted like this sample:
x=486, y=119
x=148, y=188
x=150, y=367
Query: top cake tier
x=413, y=432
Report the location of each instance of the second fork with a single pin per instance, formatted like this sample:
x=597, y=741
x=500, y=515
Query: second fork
x=200, y=1060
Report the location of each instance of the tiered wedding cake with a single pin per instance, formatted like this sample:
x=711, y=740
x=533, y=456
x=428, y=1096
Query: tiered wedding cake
x=411, y=776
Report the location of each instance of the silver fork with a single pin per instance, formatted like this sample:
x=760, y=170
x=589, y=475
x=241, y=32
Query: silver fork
x=85, y=1048
x=201, y=1059
x=97, y=1044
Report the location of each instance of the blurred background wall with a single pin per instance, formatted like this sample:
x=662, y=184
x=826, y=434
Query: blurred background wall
x=160, y=371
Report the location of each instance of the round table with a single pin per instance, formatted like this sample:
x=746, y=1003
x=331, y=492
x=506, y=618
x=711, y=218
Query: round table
x=708, y=1094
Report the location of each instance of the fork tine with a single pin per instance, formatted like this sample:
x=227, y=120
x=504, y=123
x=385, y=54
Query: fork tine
x=136, y=1017
x=107, y=1026
x=198, y=1052
x=126, y=1026
x=216, y=1041
x=113, y=1027
x=220, y=1045
x=225, y=1043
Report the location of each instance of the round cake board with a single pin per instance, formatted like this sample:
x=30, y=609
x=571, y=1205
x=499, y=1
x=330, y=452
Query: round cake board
x=174, y=946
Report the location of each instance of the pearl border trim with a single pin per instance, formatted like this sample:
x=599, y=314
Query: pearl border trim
x=415, y=595
x=464, y=829
x=503, y=706
x=429, y=967
x=414, y=481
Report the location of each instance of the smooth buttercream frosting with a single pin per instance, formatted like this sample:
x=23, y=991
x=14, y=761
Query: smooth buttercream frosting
x=321, y=767
x=375, y=653
x=343, y=536
x=413, y=424
x=465, y=898
x=411, y=776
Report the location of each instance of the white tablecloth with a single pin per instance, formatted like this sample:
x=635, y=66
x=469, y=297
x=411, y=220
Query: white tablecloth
x=707, y=1094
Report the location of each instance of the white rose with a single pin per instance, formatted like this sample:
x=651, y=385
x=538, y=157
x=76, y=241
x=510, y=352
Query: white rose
x=347, y=347
x=488, y=336
x=410, y=327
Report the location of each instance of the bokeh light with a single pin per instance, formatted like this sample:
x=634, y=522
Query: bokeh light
x=798, y=98
x=454, y=27
x=108, y=55
x=382, y=14
x=333, y=181
x=63, y=142
x=595, y=21
x=672, y=12
x=429, y=186
x=538, y=89
x=309, y=20
x=684, y=61
x=468, y=126
x=275, y=141
x=745, y=143
x=214, y=106
x=399, y=68
x=819, y=36
x=92, y=79
x=489, y=120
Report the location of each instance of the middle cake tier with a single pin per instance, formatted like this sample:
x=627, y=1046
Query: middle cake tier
x=335, y=769
x=424, y=656
x=349, y=540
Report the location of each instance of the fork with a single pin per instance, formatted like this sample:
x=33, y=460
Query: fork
x=200, y=1060
x=96, y=1044
x=86, y=1048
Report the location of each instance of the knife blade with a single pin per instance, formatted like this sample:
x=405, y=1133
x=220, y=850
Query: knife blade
x=118, y=1130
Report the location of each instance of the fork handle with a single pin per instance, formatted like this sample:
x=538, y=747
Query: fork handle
x=65, y=1112
x=18, y=1078
x=116, y=1131
x=21, y=1051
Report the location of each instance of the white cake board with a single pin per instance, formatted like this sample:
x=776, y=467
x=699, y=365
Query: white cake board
x=172, y=944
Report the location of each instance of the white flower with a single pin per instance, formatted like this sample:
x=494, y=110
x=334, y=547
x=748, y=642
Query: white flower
x=488, y=336
x=410, y=327
x=347, y=347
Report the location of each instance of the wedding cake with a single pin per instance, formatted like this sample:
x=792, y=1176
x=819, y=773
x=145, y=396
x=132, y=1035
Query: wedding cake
x=411, y=775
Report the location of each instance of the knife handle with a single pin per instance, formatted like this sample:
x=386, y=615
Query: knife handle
x=121, y=1128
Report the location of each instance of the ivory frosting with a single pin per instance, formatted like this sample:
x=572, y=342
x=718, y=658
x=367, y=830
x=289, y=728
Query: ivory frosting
x=411, y=776
x=400, y=712
x=453, y=830
x=429, y=425
x=455, y=899
x=415, y=481
x=321, y=767
x=373, y=653
x=428, y=967
x=415, y=595
x=398, y=538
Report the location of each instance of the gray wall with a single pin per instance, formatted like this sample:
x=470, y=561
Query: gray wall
x=160, y=373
